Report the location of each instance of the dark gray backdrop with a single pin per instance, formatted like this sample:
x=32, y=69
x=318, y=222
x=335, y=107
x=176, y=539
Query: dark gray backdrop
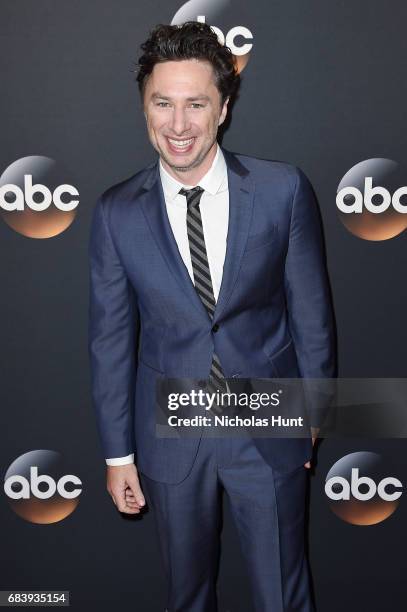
x=324, y=89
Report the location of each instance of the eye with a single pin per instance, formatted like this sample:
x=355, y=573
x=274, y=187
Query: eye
x=161, y=104
x=197, y=105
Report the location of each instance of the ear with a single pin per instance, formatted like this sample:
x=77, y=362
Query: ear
x=224, y=111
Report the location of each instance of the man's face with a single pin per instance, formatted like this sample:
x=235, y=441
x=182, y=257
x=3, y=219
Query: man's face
x=182, y=106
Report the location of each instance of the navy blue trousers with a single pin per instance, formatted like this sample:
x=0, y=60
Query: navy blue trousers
x=268, y=510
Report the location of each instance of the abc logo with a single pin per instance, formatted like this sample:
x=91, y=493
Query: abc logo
x=39, y=489
x=367, y=199
x=358, y=490
x=35, y=199
x=370, y=200
x=200, y=10
x=27, y=196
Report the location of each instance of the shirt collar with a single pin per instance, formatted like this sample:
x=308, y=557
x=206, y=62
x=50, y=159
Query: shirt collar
x=212, y=182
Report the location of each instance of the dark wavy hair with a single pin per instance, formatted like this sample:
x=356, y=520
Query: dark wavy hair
x=190, y=40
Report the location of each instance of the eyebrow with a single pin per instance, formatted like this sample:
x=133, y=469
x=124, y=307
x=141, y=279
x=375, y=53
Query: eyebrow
x=157, y=94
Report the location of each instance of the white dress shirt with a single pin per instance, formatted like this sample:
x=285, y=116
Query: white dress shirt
x=214, y=207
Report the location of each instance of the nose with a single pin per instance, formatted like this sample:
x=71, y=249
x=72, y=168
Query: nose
x=179, y=121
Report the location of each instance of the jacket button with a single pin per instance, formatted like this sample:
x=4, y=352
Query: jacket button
x=215, y=327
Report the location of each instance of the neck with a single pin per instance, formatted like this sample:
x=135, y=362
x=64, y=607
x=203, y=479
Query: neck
x=193, y=175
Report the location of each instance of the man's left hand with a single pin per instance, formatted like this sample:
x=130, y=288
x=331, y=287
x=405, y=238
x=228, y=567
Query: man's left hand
x=314, y=433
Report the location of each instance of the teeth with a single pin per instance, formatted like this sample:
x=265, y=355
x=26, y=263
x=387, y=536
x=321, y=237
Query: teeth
x=180, y=143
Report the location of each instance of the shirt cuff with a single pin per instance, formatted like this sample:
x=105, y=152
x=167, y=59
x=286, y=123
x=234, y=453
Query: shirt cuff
x=121, y=460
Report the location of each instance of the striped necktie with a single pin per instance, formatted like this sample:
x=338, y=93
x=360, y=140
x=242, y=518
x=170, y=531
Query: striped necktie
x=202, y=275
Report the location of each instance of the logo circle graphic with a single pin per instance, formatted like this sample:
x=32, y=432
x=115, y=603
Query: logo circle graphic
x=360, y=490
x=372, y=201
x=238, y=38
x=39, y=488
x=35, y=198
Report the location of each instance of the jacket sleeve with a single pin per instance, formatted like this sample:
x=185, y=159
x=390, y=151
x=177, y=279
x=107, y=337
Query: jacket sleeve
x=309, y=301
x=113, y=324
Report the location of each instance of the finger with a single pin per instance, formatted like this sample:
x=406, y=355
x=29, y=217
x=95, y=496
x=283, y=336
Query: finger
x=119, y=497
x=132, y=509
x=137, y=492
x=131, y=499
x=123, y=505
x=132, y=503
x=129, y=509
x=133, y=506
x=308, y=464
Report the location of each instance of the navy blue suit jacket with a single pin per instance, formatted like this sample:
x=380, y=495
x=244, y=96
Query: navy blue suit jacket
x=147, y=321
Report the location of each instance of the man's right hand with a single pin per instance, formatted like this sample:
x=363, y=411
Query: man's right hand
x=124, y=487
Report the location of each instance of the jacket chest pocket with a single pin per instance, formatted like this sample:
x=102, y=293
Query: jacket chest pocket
x=260, y=239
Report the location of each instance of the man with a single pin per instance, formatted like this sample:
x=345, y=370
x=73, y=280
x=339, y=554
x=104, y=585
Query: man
x=205, y=265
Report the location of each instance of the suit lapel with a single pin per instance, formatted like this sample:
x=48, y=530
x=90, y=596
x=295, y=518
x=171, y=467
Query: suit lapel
x=241, y=192
x=154, y=208
x=241, y=197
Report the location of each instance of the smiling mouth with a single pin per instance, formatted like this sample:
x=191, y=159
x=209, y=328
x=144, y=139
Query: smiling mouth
x=181, y=145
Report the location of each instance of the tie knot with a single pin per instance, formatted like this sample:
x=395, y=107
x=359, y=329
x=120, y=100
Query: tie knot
x=193, y=195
